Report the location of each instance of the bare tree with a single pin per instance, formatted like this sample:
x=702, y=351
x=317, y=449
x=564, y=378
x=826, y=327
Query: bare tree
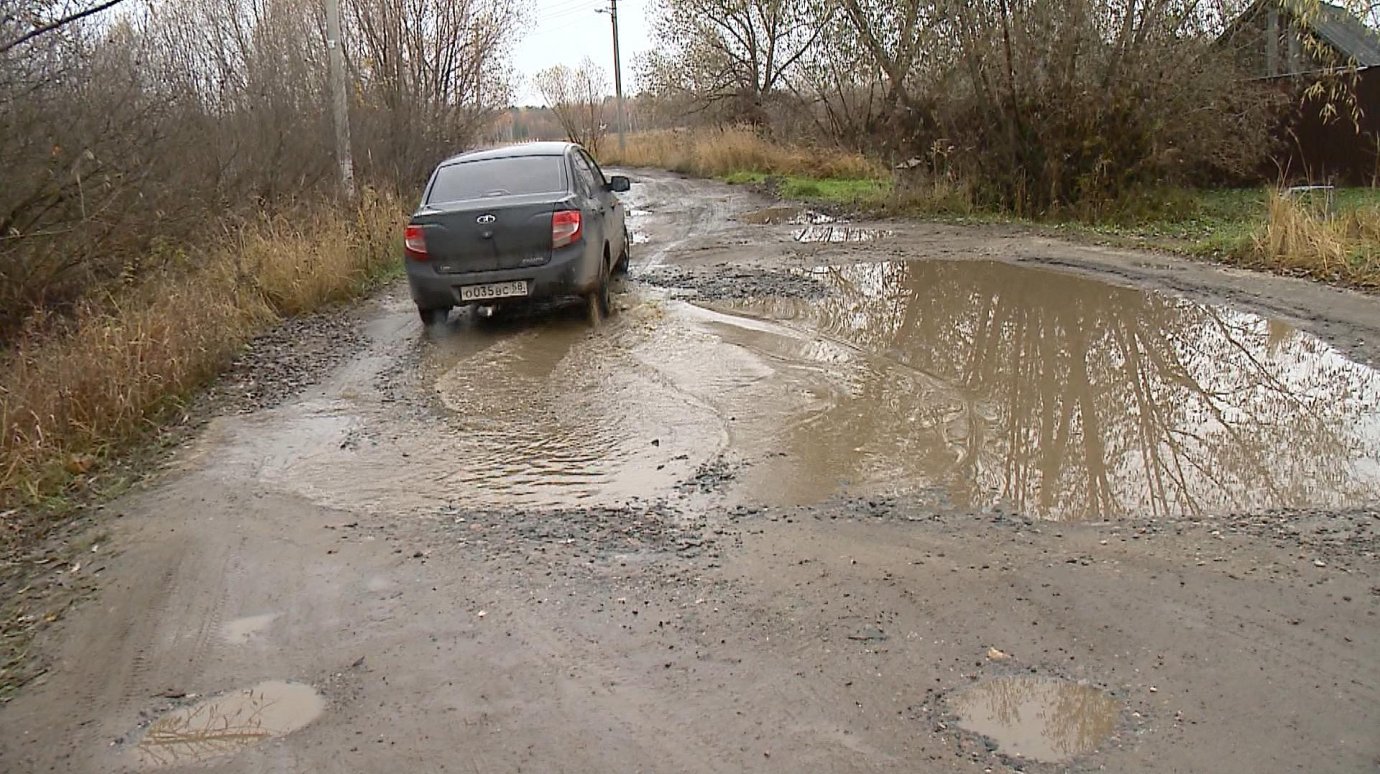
x=731, y=56
x=431, y=75
x=128, y=142
x=1038, y=105
x=18, y=27
x=1055, y=103
x=577, y=96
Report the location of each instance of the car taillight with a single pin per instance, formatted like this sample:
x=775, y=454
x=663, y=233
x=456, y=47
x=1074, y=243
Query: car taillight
x=565, y=228
x=414, y=243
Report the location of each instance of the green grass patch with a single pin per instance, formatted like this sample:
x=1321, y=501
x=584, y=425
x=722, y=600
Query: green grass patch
x=1207, y=223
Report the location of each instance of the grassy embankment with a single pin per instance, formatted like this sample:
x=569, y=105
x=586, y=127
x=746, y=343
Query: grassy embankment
x=1254, y=228
x=84, y=388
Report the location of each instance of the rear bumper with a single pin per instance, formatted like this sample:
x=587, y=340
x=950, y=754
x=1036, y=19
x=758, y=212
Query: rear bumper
x=566, y=274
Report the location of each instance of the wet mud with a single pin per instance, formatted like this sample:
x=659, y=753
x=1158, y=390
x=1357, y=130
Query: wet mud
x=244, y=630
x=734, y=283
x=771, y=216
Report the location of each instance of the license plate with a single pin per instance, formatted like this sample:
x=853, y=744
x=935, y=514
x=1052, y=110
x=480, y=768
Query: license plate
x=493, y=290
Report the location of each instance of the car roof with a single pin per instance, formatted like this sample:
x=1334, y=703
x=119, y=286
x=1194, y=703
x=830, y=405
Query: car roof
x=514, y=151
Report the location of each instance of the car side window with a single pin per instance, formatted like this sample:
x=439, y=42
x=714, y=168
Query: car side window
x=585, y=175
x=599, y=178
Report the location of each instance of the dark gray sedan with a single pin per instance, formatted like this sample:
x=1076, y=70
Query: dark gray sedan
x=515, y=224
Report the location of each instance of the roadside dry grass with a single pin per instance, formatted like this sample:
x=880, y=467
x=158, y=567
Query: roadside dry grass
x=1341, y=247
x=73, y=393
x=724, y=151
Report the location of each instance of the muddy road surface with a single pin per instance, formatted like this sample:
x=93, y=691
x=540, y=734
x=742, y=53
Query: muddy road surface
x=822, y=496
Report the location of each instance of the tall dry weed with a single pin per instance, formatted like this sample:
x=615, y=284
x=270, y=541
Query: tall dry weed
x=720, y=151
x=70, y=396
x=1301, y=239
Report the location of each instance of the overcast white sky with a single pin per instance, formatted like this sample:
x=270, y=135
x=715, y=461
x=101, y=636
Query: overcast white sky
x=566, y=31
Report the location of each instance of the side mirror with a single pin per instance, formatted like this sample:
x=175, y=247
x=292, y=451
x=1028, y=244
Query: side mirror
x=619, y=184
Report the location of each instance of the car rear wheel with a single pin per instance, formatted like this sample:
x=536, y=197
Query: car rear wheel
x=623, y=260
x=434, y=317
x=597, y=301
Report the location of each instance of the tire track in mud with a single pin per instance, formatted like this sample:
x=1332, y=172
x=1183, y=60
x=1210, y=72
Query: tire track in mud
x=119, y=686
x=164, y=627
x=189, y=621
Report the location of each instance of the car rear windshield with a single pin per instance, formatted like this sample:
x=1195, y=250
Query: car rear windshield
x=514, y=176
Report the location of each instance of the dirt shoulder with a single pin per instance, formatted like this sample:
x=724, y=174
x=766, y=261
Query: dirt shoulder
x=58, y=553
x=693, y=539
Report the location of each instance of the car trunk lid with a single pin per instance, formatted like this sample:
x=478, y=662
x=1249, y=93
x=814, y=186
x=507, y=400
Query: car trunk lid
x=507, y=232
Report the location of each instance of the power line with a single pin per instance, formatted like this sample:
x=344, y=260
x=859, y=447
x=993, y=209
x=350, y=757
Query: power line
x=566, y=14
x=564, y=7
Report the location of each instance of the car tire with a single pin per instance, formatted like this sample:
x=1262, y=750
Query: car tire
x=597, y=301
x=434, y=317
x=624, y=260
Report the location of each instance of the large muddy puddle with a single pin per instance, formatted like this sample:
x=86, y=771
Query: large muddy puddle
x=988, y=384
x=539, y=411
x=552, y=414
x=967, y=384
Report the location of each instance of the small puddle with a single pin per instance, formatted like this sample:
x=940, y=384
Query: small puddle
x=229, y=723
x=840, y=233
x=771, y=216
x=796, y=216
x=242, y=630
x=1036, y=718
x=986, y=384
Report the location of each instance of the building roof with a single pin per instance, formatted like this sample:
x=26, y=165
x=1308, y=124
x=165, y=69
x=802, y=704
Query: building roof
x=1348, y=34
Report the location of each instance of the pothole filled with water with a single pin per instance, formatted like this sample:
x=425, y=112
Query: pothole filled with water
x=974, y=385
x=839, y=233
x=1037, y=718
x=1040, y=392
x=229, y=723
x=785, y=214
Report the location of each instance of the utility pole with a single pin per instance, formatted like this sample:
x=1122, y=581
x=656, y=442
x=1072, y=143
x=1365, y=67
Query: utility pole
x=612, y=11
x=340, y=105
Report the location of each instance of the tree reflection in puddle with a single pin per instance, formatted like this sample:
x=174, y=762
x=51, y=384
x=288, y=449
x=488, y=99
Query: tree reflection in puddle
x=1064, y=397
x=1039, y=718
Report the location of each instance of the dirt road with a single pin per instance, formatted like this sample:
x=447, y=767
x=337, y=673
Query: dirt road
x=821, y=497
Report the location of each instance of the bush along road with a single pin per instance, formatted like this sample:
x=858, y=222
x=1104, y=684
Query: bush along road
x=821, y=496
